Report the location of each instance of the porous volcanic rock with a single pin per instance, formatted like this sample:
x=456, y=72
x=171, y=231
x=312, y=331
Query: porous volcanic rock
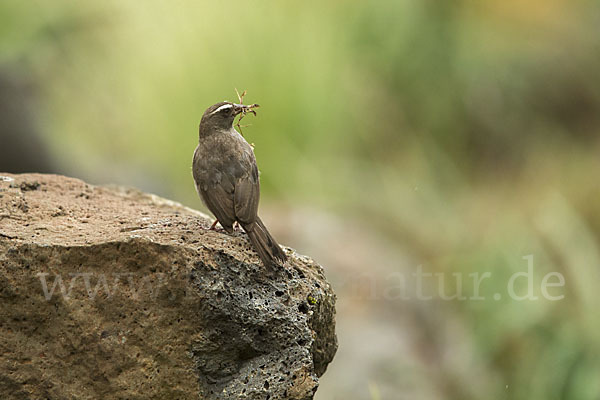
x=111, y=293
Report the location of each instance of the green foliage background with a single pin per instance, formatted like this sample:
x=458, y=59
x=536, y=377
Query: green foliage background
x=466, y=133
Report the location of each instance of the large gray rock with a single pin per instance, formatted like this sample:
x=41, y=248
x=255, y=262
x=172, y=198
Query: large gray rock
x=108, y=293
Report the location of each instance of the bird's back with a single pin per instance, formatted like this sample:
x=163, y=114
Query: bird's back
x=224, y=153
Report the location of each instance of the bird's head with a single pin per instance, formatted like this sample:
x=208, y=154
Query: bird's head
x=220, y=116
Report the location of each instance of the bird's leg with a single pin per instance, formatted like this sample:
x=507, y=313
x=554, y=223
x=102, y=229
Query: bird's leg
x=237, y=226
x=213, y=226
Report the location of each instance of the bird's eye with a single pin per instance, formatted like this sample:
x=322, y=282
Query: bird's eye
x=225, y=109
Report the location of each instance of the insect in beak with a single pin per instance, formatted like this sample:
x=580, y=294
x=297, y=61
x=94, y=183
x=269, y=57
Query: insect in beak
x=244, y=109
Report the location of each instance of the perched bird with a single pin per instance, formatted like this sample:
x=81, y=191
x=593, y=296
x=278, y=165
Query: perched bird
x=226, y=176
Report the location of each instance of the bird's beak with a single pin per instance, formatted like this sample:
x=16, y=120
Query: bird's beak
x=238, y=108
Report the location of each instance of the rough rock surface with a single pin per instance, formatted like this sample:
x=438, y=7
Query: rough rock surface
x=108, y=293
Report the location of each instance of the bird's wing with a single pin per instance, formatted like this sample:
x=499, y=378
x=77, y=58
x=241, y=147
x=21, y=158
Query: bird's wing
x=247, y=194
x=216, y=190
x=218, y=197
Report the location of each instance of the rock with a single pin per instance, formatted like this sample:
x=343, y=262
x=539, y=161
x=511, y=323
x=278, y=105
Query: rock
x=110, y=293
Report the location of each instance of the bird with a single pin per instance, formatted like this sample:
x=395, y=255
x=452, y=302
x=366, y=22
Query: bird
x=226, y=177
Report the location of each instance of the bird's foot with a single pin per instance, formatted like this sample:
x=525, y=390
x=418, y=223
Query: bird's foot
x=213, y=227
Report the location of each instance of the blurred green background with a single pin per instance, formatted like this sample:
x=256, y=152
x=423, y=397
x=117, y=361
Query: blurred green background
x=459, y=136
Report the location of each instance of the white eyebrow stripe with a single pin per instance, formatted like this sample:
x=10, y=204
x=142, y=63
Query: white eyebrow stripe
x=224, y=106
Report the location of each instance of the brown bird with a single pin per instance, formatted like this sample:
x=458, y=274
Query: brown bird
x=226, y=177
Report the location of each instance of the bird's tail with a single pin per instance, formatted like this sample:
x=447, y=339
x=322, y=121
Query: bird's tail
x=265, y=245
